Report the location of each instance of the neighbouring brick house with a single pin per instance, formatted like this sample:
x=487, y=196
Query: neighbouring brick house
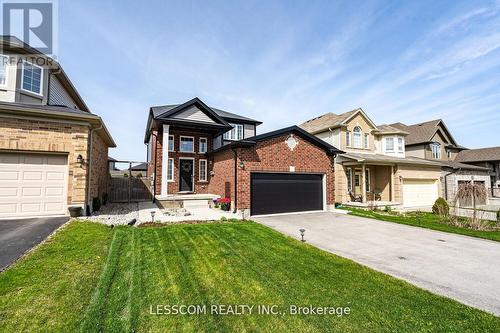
x=196, y=152
x=53, y=150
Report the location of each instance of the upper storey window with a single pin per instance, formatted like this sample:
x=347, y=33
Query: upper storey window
x=32, y=78
x=436, y=150
x=235, y=134
x=389, y=144
x=401, y=145
x=3, y=70
x=356, y=137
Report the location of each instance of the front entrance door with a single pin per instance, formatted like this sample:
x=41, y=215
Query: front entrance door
x=357, y=182
x=186, y=175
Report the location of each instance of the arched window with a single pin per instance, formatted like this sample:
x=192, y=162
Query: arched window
x=356, y=137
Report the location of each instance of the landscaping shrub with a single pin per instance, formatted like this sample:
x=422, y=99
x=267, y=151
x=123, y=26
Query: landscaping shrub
x=441, y=207
x=139, y=175
x=498, y=216
x=104, y=199
x=96, y=204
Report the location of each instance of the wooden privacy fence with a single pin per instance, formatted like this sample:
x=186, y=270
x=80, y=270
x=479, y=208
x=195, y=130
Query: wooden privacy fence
x=129, y=188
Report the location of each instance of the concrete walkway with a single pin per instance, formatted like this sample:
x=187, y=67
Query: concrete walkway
x=463, y=268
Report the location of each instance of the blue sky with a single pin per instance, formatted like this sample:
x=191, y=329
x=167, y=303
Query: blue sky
x=285, y=62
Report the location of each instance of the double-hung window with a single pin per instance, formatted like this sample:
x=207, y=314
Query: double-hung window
x=3, y=70
x=367, y=180
x=367, y=141
x=186, y=144
x=203, y=170
x=170, y=169
x=236, y=133
x=32, y=78
x=436, y=150
x=349, y=180
x=171, y=143
x=389, y=144
x=203, y=145
x=401, y=145
x=348, y=138
x=356, y=137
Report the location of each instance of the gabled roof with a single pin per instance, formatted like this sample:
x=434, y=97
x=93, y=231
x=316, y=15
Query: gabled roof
x=329, y=149
x=332, y=120
x=479, y=155
x=172, y=110
x=424, y=132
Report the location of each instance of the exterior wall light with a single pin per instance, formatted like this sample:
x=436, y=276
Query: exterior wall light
x=242, y=165
x=302, y=233
x=80, y=160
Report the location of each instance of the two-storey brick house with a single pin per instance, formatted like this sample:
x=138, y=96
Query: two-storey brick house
x=53, y=150
x=196, y=152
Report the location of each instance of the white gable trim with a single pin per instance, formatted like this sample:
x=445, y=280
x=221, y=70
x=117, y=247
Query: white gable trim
x=363, y=114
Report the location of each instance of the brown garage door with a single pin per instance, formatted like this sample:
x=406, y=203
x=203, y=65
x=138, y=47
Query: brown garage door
x=273, y=193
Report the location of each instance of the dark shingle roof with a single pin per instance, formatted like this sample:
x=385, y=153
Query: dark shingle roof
x=419, y=133
x=159, y=110
x=140, y=167
x=479, y=155
x=457, y=165
x=328, y=120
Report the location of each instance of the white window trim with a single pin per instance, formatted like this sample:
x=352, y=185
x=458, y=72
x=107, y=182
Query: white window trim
x=229, y=137
x=385, y=144
x=401, y=148
x=205, y=171
x=355, y=135
x=173, y=142
x=41, y=79
x=366, y=141
x=173, y=170
x=437, y=154
x=348, y=138
x=368, y=180
x=180, y=144
x=349, y=180
x=206, y=146
x=6, y=71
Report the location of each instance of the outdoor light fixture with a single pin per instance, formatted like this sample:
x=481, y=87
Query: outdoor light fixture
x=153, y=216
x=242, y=165
x=302, y=232
x=79, y=159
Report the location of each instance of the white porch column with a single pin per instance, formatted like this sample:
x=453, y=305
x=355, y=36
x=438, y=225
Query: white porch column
x=164, y=161
x=363, y=182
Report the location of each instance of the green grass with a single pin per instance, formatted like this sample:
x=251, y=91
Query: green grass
x=92, y=278
x=425, y=220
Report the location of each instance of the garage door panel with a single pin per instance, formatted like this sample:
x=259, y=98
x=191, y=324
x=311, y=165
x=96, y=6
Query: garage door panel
x=32, y=184
x=273, y=193
x=419, y=192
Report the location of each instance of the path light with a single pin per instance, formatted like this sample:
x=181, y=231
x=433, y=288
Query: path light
x=153, y=216
x=302, y=232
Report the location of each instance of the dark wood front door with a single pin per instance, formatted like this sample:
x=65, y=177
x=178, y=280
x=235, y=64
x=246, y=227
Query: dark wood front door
x=186, y=175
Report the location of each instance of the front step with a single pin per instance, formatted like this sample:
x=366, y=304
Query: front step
x=195, y=204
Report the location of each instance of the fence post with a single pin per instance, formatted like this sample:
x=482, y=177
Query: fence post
x=129, y=180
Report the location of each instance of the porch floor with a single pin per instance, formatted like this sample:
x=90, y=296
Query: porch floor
x=371, y=204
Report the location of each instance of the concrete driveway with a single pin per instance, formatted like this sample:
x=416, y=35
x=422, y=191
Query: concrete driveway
x=463, y=268
x=19, y=235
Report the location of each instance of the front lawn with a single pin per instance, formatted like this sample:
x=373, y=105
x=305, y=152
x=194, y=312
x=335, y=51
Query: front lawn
x=425, y=220
x=92, y=278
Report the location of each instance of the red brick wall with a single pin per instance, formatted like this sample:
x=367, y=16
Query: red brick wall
x=173, y=187
x=272, y=155
x=222, y=182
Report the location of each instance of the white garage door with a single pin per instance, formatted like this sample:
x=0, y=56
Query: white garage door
x=32, y=184
x=419, y=192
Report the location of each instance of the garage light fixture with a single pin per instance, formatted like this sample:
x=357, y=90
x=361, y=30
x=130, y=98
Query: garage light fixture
x=242, y=165
x=302, y=232
x=80, y=160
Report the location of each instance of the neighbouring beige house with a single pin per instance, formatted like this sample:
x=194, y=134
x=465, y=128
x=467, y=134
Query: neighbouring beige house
x=375, y=170
x=53, y=150
x=431, y=140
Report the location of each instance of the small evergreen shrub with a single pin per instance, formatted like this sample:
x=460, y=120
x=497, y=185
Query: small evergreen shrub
x=498, y=216
x=96, y=204
x=441, y=207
